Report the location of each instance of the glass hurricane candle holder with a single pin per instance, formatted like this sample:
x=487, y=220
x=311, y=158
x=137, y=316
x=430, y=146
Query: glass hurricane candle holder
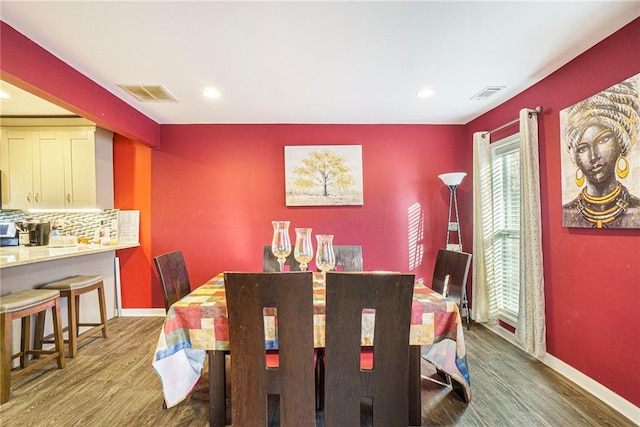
x=281, y=244
x=303, y=251
x=325, y=256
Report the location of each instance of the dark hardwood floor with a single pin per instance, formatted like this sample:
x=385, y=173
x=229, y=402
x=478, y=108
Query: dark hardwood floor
x=111, y=383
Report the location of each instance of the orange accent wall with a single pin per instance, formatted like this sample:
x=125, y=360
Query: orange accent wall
x=132, y=188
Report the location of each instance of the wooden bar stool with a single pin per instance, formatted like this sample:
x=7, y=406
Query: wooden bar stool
x=22, y=305
x=71, y=288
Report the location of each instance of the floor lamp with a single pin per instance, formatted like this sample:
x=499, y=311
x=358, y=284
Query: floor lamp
x=452, y=181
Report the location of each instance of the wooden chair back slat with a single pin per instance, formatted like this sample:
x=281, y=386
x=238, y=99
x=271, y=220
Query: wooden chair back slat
x=348, y=258
x=386, y=386
x=252, y=382
x=455, y=265
x=270, y=262
x=173, y=275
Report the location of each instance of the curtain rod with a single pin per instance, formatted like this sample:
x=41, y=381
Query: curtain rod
x=536, y=110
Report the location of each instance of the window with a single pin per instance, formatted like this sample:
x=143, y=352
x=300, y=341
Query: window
x=505, y=171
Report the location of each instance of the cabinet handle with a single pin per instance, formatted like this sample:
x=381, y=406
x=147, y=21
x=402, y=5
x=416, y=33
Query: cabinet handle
x=68, y=197
x=37, y=197
x=29, y=197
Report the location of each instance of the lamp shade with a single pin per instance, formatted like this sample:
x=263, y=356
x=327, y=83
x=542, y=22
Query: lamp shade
x=453, y=178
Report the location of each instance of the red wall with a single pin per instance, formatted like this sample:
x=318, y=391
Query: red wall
x=592, y=277
x=216, y=188
x=26, y=65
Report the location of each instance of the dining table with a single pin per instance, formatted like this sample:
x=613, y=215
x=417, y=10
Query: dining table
x=196, y=326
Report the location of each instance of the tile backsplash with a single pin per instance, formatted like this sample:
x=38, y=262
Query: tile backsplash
x=79, y=224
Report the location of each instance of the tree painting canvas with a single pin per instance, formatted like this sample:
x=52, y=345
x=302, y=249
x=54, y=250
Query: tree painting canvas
x=323, y=175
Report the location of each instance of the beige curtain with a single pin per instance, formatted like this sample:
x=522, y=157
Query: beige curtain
x=484, y=307
x=531, y=326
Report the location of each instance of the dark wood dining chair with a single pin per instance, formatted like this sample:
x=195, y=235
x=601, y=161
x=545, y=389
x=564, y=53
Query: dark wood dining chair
x=450, y=278
x=348, y=258
x=174, y=279
x=264, y=386
x=270, y=262
x=173, y=275
x=357, y=387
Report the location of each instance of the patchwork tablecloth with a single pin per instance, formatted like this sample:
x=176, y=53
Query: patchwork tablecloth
x=198, y=322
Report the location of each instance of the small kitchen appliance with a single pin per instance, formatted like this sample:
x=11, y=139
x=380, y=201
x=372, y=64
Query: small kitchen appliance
x=38, y=233
x=8, y=234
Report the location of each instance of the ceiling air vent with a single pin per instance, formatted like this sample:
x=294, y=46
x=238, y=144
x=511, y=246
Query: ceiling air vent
x=149, y=93
x=487, y=92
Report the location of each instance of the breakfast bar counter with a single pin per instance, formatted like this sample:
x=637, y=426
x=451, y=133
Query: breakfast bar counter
x=13, y=256
x=28, y=267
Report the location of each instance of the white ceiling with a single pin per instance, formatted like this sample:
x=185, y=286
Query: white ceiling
x=317, y=62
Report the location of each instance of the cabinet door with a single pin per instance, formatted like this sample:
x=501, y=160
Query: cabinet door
x=16, y=162
x=49, y=170
x=80, y=176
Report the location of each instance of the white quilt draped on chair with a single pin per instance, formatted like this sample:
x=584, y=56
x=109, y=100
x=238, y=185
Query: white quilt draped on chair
x=531, y=322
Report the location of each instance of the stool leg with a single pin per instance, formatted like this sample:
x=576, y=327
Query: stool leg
x=72, y=301
x=39, y=332
x=77, y=314
x=6, y=328
x=57, y=333
x=103, y=310
x=25, y=342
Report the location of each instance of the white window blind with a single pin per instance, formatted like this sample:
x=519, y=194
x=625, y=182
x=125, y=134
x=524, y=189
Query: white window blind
x=506, y=224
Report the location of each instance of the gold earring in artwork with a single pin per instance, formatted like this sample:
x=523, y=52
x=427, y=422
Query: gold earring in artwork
x=579, y=179
x=622, y=173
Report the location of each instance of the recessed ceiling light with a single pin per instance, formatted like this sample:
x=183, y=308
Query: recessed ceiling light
x=425, y=93
x=4, y=94
x=210, y=92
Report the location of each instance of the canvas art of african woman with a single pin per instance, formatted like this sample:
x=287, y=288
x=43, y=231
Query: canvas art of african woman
x=601, y=159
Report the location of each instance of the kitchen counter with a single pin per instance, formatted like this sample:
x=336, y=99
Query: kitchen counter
x=13, y=256
x=29, y=267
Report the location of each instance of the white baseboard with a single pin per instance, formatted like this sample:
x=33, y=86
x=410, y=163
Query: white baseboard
x=607, y=396
x=144, y=312
x=612, y=399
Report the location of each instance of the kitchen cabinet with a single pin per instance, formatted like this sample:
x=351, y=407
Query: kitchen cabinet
x=80, y=170
x=16, y=154
x=48, y=170
x=56, y=167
